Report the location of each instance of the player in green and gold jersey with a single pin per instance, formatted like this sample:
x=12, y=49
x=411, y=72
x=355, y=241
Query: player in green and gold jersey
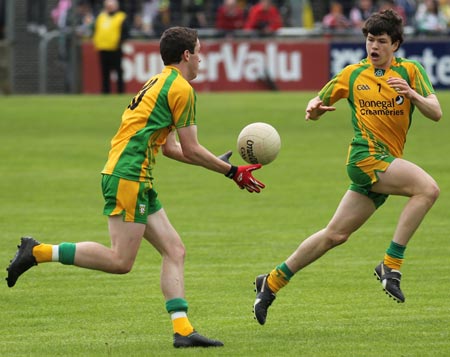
x=382, y=92
x=161, y=111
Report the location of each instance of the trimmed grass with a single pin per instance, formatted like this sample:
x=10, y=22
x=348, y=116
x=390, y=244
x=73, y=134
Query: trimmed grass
x=52, y=151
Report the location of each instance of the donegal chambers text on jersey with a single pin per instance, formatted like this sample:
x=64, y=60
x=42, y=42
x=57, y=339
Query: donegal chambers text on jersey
x=382, y=107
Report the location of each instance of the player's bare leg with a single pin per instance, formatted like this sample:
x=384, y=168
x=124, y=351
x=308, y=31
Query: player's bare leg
x=126, y=239
x=163, y=236
x=406, y=179
x=353, y=210
x=117, y=259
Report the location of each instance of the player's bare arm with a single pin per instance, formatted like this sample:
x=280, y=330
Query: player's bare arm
x=194, y=153
x=198, y=155
x=172, y=148
x=429, y=106
x=315, y=109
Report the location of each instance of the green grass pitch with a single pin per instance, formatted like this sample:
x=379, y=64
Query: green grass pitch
x=52, y=151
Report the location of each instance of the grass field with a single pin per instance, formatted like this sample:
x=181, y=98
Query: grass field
x=52, y=151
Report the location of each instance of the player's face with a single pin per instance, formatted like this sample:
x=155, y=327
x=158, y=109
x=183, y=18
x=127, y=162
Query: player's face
x=380, y=50
x=194, y=62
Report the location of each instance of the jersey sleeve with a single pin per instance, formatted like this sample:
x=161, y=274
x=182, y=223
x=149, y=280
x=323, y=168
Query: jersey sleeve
x=182, y=102
x=420, y=81
x=337, y=88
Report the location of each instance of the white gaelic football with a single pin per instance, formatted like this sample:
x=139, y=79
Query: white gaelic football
x=259, y=143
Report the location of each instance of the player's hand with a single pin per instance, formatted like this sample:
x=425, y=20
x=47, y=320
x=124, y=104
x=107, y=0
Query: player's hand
x=316, y=108
x=243, y=177
x=400, y=86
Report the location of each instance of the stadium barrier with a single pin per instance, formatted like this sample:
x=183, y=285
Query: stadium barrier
x=264, y=64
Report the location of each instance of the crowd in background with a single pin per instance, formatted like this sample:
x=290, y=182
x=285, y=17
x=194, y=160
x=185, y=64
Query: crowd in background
x=149, y=18
x=424, y=16
x=264, y=17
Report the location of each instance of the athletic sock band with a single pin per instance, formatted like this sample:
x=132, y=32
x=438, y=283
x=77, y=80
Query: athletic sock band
x=67, y=253
x=279, y=277
x=177, y=304
x=178, y=315
x=285, y=269
x=396, y=250
x=55, y=253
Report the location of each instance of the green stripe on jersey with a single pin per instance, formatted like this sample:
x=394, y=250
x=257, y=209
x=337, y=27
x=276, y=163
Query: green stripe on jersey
x=139, y=147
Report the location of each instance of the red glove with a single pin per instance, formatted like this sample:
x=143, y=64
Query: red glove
x=242, y=175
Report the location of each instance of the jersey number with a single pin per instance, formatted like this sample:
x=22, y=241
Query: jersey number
x=137, y=99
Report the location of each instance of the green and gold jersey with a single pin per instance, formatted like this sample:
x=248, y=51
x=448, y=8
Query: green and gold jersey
x=167, y=101
x=380, y=116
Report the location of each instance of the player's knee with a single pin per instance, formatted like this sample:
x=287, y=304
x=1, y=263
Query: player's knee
x=123, y=266
x=177, y=252
x=336, y=238
x=432, y=193
x=435, y=191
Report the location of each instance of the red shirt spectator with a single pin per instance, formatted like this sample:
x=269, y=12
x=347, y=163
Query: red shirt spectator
x=230, y=16
x=263, y=17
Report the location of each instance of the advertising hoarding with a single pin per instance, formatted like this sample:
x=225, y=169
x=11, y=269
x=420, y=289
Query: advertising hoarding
x=252, y=65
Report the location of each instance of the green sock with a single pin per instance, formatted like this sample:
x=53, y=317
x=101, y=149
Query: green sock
x=67, y=253
x=284, y=268
x=396, y=250
x=177, y=304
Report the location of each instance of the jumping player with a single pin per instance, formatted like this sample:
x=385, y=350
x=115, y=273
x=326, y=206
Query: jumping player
x=382, y=91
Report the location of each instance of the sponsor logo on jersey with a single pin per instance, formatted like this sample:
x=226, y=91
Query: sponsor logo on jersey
x=399, y=100
x=381, y=107
x=363, y=87
x=379, y=72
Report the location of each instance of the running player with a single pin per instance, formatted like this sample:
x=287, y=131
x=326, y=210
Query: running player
x=161, y=111
x=382, y=92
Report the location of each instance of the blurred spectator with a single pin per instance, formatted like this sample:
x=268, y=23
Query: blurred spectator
x=409, y=8
x=360, y=12
x=335, y=19
x=445, y=10
x=162, y=19
x=300, y=14
x=429, y=18
x=391, y=4
x=68, y=18
x=110, y=30
x=307, y=15
x=60, y=12
x=73, y=22
x=230, y=16
x=263, y=18
x=144, y=21
x=36, y=16
x=81, y=18
x=196, y=14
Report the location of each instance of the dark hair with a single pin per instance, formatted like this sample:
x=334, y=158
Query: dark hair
x=174, y=41
x=385, y=22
